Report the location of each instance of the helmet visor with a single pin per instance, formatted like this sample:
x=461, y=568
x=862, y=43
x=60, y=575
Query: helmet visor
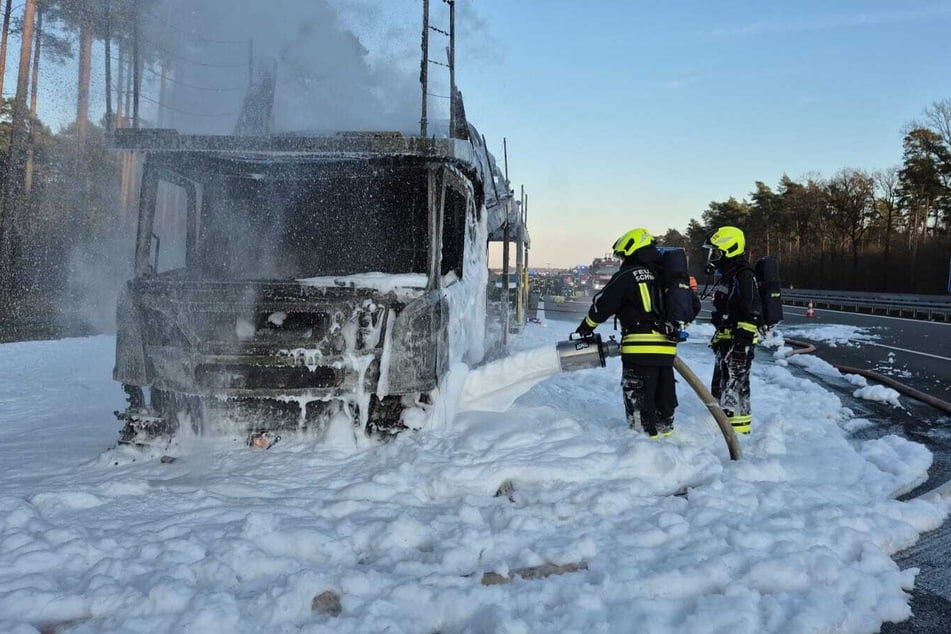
x=714, y=255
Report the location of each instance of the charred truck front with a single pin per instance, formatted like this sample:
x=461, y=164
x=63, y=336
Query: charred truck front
x=284, y=281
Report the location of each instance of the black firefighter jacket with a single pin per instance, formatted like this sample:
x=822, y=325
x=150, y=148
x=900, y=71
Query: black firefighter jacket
x=633, y=295
x=736, y=303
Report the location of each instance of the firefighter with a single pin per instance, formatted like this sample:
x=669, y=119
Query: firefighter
x=648, y=342
x=736, y=316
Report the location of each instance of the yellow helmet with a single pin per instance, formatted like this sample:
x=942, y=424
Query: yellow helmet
x=632, y=241
x=729, y=241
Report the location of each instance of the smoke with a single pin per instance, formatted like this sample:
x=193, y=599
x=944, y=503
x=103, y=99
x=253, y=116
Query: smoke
x=335, y=64
x=96, y=276
x=337, y=67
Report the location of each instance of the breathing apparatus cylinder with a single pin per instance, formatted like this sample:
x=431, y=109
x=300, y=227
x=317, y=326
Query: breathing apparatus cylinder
x=580, y=353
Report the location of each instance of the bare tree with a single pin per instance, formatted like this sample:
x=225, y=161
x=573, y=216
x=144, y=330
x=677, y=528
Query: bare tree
x=888, y=206
x=938, y=118
x=851, y=200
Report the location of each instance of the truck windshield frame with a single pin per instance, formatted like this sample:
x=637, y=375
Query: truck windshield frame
x=233, y=219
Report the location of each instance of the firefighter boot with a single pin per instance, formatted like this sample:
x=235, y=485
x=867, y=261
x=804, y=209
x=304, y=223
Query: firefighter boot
x=741, y=424
x=665, y=426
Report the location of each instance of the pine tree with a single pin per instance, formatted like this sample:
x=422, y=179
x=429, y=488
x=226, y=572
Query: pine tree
x=16, y=164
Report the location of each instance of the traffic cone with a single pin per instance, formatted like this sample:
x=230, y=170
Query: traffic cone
x=810, y=312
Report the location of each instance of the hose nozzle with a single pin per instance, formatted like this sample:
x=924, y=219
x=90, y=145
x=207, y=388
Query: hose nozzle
x=583, y=352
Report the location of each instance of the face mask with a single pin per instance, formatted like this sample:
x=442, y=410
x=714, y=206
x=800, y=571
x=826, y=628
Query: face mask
x=714, y=255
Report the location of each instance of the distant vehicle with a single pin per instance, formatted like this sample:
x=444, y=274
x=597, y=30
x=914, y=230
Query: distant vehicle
x=280, y=282
x=601, y=271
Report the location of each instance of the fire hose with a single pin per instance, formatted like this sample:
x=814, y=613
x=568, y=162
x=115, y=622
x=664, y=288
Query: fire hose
x=802, y=347
x=591, y=351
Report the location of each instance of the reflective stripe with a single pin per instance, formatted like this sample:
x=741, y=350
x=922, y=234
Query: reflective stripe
x=747, y=326
x=726, y=333
x=647, y=343
x=645, y=296
x=590, y=322
x=741, y=423
x=645, y=337
x=641, y=348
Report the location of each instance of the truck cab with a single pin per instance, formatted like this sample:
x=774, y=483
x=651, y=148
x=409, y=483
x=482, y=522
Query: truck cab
x=282, y=281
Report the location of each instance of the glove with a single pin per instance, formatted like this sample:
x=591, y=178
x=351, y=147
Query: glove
x=584, y=329
x=669, y=330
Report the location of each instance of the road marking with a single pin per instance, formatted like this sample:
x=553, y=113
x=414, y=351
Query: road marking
x=852, y=312
x=924, y=354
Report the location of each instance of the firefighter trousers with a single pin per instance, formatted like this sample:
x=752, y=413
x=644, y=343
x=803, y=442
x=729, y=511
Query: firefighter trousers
x=731, y=382
x=650, y=398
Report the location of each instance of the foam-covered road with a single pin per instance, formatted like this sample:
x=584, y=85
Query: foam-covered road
x=918, y=354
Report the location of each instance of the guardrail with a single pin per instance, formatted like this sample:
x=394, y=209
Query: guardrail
x=925, y=307
x=929, y=307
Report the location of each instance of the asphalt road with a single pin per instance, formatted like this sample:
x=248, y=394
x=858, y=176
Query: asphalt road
x=915, y=352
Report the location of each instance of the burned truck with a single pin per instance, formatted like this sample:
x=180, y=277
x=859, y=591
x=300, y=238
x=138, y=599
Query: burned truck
x=282, y=281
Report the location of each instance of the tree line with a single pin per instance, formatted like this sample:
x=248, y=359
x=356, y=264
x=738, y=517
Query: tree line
x=887, y=230
x=61, y=192
x=65, y=192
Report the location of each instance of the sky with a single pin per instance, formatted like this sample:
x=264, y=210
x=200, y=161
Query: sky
x=652, y=536
x=620, y=114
